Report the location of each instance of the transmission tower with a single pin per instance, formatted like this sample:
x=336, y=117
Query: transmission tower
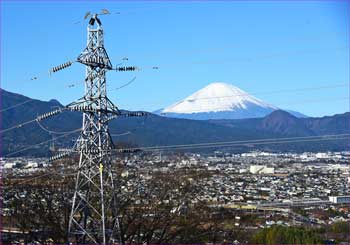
x=94, y=217
x=94, y=214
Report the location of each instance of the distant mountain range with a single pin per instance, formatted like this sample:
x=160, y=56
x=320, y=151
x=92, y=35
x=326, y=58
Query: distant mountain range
x=157, y=130
x=220, y=101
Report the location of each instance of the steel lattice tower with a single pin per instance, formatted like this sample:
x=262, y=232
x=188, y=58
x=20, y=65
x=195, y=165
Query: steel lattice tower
x=93, y=217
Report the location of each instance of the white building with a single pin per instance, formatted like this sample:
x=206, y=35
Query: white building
x=261, y=169
x=339, y=199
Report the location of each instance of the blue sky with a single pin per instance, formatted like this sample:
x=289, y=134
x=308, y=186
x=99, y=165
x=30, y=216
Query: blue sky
x=260, y=47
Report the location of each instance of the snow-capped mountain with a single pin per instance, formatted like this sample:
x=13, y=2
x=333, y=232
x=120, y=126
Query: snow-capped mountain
x=218, y=101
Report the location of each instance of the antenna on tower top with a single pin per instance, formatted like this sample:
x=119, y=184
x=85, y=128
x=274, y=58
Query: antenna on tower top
x=87, y=15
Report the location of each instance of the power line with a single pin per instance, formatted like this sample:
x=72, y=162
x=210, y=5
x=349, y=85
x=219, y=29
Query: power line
x=17, y=126
x=254, y=141
x=269, y=56
x=229, y=143
x=54, y=132
x=43, y=175
x=38, y=118
x=240, y=142
x=122, y=134
x=298, y=102
x=208, y=144
x=126, y=84
x=36, y=177
x=278, y=91
x=16, y=105
x=43, y=142
x=224, y=144
x=214, y=97
x=259, y=93
x=277, y=107
x=222, y=107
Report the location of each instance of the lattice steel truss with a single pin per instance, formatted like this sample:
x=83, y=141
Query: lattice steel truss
x=94, y=214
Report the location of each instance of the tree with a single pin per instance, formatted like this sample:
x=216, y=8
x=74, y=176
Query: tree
x=286, y=235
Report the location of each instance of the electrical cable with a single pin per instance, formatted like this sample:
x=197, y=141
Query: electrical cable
x=43, y=175
x=226, y=144
x=122, y=134
x=53, y=132
x=276, y=107
x=17, y=126
x=43, y=142
x=252, y=143
x=277, y=91
x=269, y=56
x=237, y=143
x=126, y=84
x=16, y=105
x=257, y=93
x=36, y=177
x=224, y=107
x=33, y=120
x=255, y=141
x=208, y=98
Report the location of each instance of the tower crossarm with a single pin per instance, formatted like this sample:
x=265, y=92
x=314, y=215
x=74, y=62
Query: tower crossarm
x=96, y=57
x=127, y=114
x=61, y=155
x=49, y=114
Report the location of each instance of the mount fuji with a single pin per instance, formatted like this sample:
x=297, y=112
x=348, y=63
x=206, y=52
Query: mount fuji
x=220, y=101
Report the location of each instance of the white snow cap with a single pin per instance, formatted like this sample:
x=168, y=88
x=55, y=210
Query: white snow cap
x=214, y=98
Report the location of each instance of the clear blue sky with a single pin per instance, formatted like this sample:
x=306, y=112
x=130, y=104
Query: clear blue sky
x=256, y=46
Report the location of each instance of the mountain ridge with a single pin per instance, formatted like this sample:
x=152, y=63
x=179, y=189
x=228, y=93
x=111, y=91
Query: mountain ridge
x=155, y=130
